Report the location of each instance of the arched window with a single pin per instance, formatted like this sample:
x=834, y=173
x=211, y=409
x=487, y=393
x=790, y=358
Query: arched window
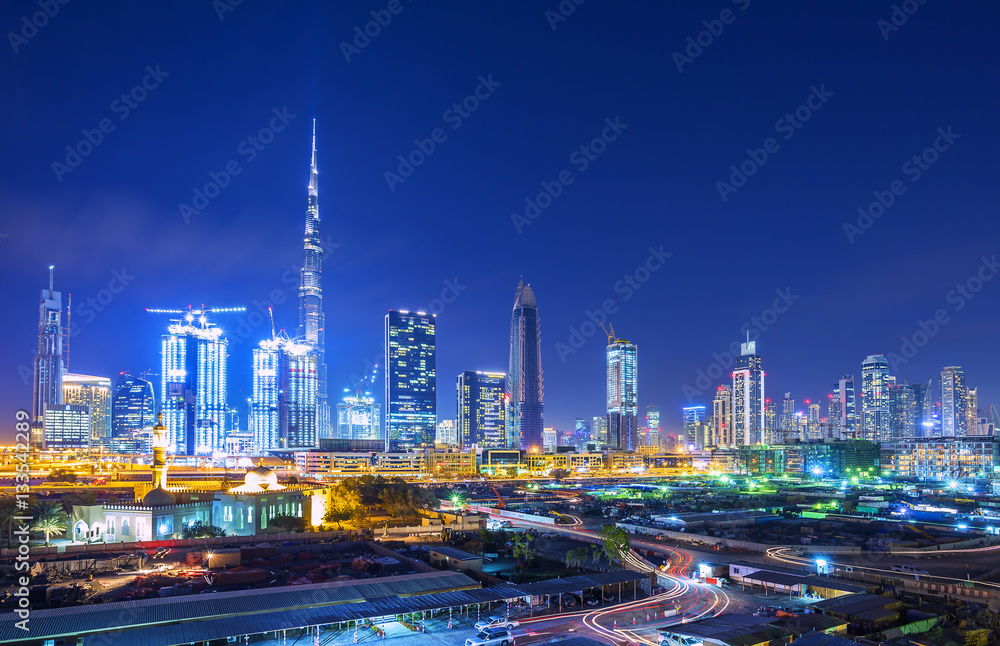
x=126, y=530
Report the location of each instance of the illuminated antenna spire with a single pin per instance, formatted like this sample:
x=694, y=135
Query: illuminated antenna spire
x=51, y=277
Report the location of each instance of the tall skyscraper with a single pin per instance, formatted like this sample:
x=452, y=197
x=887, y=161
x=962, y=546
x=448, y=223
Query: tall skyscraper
x=67, y=427
x=581, y=432
x=623, y=400
x=771, y=420
x=972, y=412
x=692, y=417
x=194, y=395
x=410, y=379
x=283, y=406
x=748, y=396
x=482, y=410
x=722, y=417
x=787, y=422
x=47, y=384
x=653, y=424
x=813, y=420
x=359, y=417
x=905, y=411
x=954, y=396
x=876, y=425
x=95, y=394
x=133, y=406
x=312, y=320
x=524, y=374
x=600, y=429
x=845, y=422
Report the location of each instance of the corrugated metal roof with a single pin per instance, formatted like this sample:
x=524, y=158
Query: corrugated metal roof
x=578, y=583
x=183, y=633
x=95, y=618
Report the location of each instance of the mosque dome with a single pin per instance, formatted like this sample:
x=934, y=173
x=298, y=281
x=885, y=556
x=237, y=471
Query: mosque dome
x=157, y=497
x=261, y=476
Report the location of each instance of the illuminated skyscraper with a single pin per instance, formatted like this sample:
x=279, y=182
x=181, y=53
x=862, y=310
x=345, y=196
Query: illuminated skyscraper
x=623, y=399
x=133, y=406
x=692, y=417
x=904, y=405
x=67, y=427
x=813, y=420
x=876, y=423
x=410, y=379
x=722, y=418
x=972, y=412
x=47, y=384
x=482, y=415
x=748, y=396
x=954, y=402
x=600, y=429
x=771, y=428
x=843, y=413
x=653, y=424
x=283, y=409
x=95, y=394
x=193, y=391
x=524, y=376
x=359, y=417
x=312, y=320
x=447, y=432
x=788, y=424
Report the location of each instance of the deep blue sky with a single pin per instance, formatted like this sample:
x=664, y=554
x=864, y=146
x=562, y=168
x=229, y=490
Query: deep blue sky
x=655, y=185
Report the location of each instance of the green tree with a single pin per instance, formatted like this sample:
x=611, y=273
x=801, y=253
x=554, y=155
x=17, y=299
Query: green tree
x=49, y=518
x=616, y=543
x=288, y=523
x=198, y=529
x=345, y=505
x=522, y=546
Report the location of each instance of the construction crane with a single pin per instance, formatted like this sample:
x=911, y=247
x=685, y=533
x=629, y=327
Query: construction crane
x=611, y=335
x=500, y=503
x=194, y=315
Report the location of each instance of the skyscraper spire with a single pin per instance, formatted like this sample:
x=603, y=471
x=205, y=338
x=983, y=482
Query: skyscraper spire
x=312, y=322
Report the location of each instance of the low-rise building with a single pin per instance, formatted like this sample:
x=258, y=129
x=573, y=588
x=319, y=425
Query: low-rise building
x=942, y=458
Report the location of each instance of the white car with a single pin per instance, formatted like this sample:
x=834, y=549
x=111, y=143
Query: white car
x=501, y=638
x=496, y=621
x=908, y=569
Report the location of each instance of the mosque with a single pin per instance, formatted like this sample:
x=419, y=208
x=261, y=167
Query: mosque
x=163, y=511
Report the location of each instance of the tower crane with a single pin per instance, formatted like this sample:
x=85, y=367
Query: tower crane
x=194, y=315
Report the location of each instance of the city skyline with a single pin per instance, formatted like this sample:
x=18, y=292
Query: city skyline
x=121, y=244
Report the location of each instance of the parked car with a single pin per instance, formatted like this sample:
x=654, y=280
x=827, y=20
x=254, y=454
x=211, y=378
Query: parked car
x=502, y=638
x=908, y=569
x=496, y=621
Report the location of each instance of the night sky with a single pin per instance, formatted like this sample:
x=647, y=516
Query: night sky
x=839, y=102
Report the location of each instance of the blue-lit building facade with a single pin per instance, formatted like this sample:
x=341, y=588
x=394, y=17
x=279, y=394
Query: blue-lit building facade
x=692, y=416
x=283, y=408
x=133, y=406
x=623, y=398
x=524, y=375
x=482, y=405
x=410, y=380
x=193, y=390
x=748, y=396
x=876, y=417
x=359, y=417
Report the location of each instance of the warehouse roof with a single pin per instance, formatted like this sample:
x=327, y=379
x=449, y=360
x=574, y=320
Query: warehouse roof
x=579, y=583
x=452, y=553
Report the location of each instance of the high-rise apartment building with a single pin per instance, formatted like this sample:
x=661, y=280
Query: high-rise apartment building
x=410, y=379
x=447, y=432
x=771, y=419
x=653, y=425
x=954, y=402
x=133, y=406
x=600, y=429
x=972, y=412
x=194, y=386
x=623, y=401
x=748, y=396
x=359, y=417
x=876, y=422
x=843, y=412
x=692, y=418
x=47, y=385
x=814, y=428
x=283, y=406
x=482, y=410
x=904, y=405
x=66, y=427
x=722, y=418
x=95, y=394
x=524, y=374
x=312, y=320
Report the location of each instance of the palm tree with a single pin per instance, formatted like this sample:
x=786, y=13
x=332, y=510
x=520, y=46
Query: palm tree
x=50, y=518
x=7, y=512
